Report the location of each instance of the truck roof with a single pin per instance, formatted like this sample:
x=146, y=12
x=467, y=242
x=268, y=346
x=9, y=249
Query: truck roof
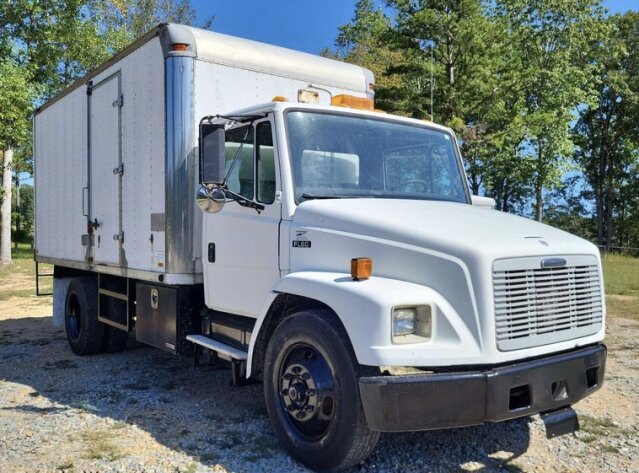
x=240, y=53
x=281, y=106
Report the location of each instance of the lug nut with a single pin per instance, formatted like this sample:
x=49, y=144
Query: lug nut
x=311, y=392
x=306, y=376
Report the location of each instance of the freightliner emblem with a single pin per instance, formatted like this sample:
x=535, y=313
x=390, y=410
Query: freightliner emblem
x=553, y=263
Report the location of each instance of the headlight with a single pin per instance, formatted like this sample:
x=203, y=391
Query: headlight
x=412, y=324
x=404, y=321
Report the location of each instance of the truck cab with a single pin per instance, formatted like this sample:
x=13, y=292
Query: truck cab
x=324, y=218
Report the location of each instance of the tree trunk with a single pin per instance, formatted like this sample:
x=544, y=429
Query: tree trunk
x=539, y=200
x=5, y=208
x=609, y=212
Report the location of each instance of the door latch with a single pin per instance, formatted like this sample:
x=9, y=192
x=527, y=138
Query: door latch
x=119, y=102
x=119, y=169
x=119, y=237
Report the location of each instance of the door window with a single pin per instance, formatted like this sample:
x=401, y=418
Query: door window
x=251, y=146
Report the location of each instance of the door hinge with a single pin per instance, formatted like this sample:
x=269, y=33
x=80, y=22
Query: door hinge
x=119, y=169
x=119, y=102
x=119, y=237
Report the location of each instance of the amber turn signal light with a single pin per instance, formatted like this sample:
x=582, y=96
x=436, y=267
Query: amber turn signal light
x=361, y=268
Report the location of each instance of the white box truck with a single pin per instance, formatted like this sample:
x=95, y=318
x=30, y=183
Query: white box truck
x=332, y=251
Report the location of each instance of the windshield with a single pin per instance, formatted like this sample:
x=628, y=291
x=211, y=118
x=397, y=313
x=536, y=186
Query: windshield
x=342, y=156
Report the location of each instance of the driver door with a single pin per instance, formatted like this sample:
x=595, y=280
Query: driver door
x=241, y=247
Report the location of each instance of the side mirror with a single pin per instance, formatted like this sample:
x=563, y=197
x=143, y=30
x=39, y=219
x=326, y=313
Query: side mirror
x=485, y=202
x=212, y=160
x=210, y=200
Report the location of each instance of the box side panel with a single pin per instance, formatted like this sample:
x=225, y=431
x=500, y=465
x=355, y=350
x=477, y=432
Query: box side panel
x=61, y=178
x=143, y=156
x=222, y=89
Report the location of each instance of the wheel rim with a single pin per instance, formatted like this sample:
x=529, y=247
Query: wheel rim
x=74, y=320
x=306, y=391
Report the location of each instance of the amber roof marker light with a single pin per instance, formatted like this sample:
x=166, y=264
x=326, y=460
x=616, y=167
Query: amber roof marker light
x=180, y=47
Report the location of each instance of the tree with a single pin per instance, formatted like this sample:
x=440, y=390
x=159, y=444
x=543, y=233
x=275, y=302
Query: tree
x=607, y=132
x=555, y=38
x=122, y=21
x=23, y=214
x=15, y=107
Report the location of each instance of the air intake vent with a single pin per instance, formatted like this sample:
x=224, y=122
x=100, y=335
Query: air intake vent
x=536, y=306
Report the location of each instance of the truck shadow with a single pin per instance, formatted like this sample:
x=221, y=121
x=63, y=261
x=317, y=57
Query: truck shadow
x=195, y=411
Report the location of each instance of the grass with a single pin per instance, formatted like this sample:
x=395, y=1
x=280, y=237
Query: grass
x=601, y=427
x=621, y=275
x=99, y=445
x=621, y=280
x=23, y=268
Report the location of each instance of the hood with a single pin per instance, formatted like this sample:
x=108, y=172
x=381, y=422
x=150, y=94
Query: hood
x=452, y=228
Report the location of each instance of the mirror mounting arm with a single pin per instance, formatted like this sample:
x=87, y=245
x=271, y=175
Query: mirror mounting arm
x=244, y=202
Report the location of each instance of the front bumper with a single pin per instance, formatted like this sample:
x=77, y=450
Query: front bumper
x=456, y=399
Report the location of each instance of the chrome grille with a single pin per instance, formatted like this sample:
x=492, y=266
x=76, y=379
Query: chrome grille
x=537, y=306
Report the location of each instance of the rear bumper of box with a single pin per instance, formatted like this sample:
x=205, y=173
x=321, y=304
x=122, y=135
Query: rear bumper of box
x=456, y=399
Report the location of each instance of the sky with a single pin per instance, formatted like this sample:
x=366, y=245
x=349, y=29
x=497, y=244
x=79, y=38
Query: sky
x=305, y=25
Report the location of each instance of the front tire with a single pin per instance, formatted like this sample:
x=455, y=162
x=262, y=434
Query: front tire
x=84, y=330
x=312, y=393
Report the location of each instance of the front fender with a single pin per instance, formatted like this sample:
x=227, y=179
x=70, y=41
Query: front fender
x=365, y=309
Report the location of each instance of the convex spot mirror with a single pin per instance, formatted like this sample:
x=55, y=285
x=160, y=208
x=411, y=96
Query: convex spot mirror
x=210, y=200
x=212, y=160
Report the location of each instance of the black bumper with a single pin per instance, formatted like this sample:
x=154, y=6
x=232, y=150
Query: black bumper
x=441, y=400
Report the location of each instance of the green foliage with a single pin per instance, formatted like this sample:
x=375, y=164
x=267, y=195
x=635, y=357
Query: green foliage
x=22, y=214
x=120, y=22
x=15, y=103
x=607, y=134
x=552, y=37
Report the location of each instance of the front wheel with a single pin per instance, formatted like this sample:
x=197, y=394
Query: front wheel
x=312, y=394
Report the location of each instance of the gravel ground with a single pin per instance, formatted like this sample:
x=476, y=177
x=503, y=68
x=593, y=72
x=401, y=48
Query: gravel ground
x=146, y=411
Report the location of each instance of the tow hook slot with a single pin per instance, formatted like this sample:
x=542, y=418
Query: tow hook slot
x=560, y=422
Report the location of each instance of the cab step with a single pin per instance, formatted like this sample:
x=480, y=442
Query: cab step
x=237, y=357
x=219, y=347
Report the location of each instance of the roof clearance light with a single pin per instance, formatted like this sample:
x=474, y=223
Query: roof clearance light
x=179, y=47
x=361, y=268
x=351, y=101
x=279, y=98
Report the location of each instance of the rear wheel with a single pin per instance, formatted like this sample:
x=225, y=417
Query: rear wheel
x=84, y=331
x=312, y=395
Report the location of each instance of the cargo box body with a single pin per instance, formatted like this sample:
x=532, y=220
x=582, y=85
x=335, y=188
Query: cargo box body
x=116, y=153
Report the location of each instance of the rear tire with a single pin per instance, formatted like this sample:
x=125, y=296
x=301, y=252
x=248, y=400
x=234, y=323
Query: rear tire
x=312, y=393
x=84, y=331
